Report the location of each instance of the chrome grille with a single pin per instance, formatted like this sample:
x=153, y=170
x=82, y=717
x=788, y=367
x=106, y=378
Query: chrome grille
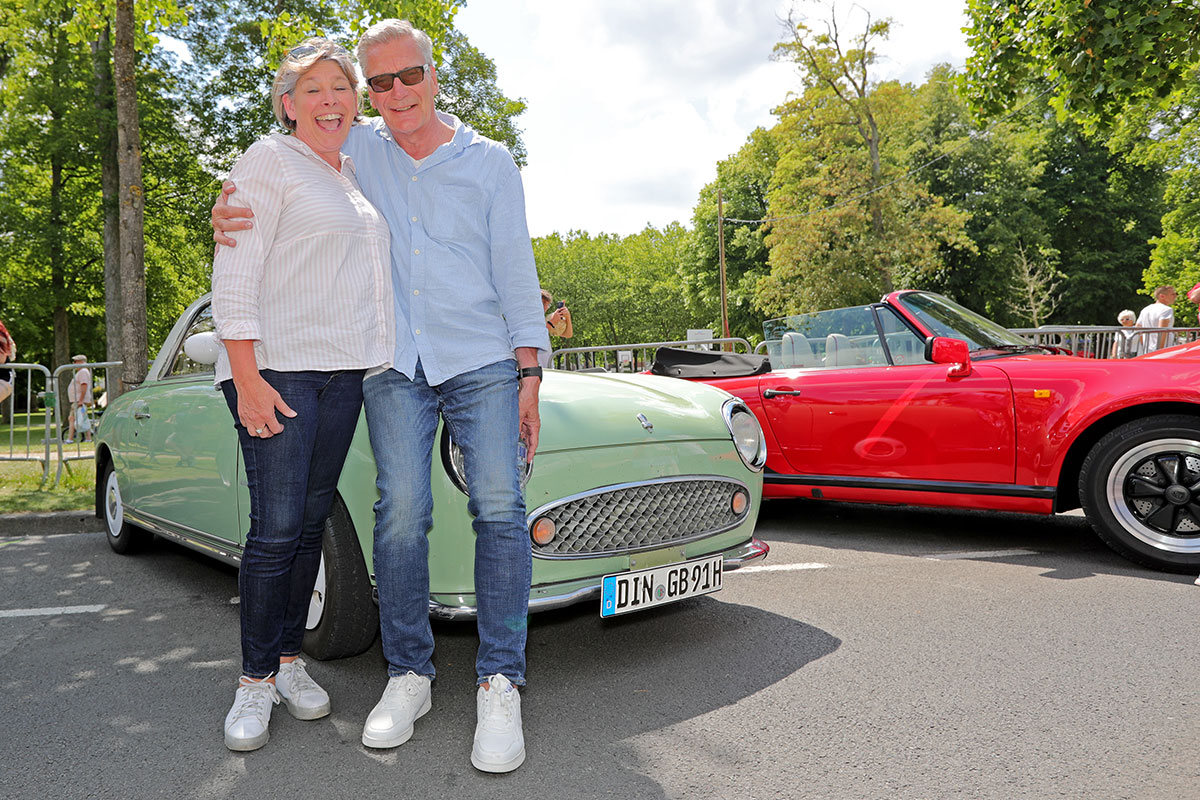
x=640, y=516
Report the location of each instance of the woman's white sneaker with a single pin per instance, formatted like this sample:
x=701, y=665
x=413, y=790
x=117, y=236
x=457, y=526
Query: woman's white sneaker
x=390, y=722
x=247, y=721
x=499, y=742
x=303, y=697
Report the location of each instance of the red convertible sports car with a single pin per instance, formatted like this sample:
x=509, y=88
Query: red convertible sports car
x=917, y=400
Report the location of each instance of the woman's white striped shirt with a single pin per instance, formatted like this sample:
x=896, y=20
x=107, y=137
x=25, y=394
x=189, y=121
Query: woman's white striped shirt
x=311, y=281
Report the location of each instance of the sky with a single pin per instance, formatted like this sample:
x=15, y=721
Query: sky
x=633, y=102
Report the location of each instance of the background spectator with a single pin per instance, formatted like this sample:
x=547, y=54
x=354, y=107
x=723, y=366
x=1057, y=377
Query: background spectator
x=79, y=393
x=1125, y=342
x=1158, y=314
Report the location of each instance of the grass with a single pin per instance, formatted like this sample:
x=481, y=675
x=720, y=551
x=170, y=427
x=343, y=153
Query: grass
x=21, y=487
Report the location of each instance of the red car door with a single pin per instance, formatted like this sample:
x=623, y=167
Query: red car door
x=906, y=421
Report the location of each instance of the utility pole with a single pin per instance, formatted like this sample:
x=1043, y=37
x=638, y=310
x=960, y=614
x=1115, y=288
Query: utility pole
x=721, y=259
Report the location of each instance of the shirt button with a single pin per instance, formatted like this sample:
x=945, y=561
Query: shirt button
x=416, y=252
x=414, y=177
x=414, y=219
x=417, y=331
x=416, y=291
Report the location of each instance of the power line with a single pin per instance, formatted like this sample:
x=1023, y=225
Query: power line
x=970, y=138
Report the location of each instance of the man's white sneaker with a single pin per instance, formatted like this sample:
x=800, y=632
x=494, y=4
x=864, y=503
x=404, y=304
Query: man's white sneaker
x=247, y=721
x=390, y=722
x=499, y=742
x=303, y=697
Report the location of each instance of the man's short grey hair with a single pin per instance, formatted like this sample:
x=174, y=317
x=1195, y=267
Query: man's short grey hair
x=299, y=60
x=392, y=30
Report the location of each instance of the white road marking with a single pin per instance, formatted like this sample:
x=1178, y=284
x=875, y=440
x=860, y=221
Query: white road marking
x=51, y=612
x=981, y=554
x=781, y=567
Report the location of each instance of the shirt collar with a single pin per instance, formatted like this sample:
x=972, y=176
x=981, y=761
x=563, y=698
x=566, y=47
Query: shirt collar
x=464, y=136
x=300, y=147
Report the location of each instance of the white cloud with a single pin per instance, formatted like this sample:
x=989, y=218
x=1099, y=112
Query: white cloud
x=633, y=102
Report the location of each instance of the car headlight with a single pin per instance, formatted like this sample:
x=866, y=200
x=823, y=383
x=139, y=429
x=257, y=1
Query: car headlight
x=746, y=432
x=455, y=465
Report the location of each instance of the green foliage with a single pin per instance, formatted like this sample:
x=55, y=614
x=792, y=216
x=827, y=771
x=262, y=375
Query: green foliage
x=50, y=206
x=836, y=241
x=1102, y=210
x=744, y=180
x=237, y=45
x=620, y=289
x=1098, y=56
x=1175, y=259
x=196, y=116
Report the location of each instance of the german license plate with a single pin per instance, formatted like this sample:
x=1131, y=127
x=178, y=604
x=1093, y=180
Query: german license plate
x=647, y=588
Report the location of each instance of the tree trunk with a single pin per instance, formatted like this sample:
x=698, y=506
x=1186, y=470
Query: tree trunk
x=110, y=189
x=58, y=272
x=131, y=200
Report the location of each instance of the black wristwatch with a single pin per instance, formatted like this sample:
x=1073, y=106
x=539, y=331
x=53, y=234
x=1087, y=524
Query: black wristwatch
x=530, y=372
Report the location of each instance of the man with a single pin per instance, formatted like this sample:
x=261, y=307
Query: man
x=466, y=294
x=79, y=394
x=1158, y=314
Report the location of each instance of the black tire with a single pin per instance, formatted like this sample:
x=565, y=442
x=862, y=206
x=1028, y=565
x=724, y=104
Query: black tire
x=343, y=619
x=123, y=536
x=1140, y=489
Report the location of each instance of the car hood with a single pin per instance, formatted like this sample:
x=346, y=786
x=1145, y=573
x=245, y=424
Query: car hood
x=580, y=410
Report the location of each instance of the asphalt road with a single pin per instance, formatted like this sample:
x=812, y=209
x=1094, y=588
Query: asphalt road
x=878, y=653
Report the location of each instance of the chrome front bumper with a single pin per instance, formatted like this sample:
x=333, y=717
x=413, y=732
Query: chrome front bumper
x=751, y=551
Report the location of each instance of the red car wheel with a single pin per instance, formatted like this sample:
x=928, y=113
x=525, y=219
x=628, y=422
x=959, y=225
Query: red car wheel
x=1140, y=488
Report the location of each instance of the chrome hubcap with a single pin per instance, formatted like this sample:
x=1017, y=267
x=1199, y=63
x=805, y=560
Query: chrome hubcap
x=112, y=505
x=1154, y=491
x=316, y=604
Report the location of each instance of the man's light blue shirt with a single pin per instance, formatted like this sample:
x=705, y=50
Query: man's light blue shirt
x=463, y=273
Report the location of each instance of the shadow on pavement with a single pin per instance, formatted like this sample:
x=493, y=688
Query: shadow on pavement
x=1064, y=545
x=131, y=700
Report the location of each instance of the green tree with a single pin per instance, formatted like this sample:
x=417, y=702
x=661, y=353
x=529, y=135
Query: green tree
x=1096, y=57
x=744, y=180
x=55, y=227
x=825, y=248
x=992, y=173
x=619, y=289
x=1102, y=210
x=236, y=46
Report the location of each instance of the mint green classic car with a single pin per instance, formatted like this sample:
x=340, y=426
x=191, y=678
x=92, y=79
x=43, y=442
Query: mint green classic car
x=644, y=491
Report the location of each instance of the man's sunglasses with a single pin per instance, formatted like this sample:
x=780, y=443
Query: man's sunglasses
x=409, y=77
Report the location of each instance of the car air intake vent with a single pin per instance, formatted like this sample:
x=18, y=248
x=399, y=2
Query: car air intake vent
x=641, y=516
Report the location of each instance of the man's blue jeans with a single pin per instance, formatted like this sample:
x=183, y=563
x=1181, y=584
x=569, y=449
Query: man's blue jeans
x=480, y=409
x=292, y=478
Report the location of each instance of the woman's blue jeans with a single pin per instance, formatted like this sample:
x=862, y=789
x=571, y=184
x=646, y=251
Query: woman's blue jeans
x=292, y=478
x=480, y=409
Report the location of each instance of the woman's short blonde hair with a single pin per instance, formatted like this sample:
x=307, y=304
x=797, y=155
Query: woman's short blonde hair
x=1126, y=314
x=299, y=60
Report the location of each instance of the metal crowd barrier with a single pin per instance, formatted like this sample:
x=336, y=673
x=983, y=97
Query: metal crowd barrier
x=27, y=439
x=1105, y=341
x=631, y=357
x=81, y=448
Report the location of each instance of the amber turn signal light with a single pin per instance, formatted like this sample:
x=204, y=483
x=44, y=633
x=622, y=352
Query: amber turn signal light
x=543, y=531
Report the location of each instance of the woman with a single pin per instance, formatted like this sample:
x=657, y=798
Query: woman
x=303, y=306
x=1125, y=341
x=558, y=324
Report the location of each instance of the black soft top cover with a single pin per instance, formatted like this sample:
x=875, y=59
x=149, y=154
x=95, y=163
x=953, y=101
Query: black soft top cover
x=678, y=362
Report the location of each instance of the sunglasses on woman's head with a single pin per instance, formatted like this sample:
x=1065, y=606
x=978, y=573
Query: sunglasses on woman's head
x=409, y=77
x=302, y=50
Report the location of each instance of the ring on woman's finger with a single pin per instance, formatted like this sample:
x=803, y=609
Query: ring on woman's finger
x=258, y=431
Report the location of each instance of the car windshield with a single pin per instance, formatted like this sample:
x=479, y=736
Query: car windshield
x=946, y=318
